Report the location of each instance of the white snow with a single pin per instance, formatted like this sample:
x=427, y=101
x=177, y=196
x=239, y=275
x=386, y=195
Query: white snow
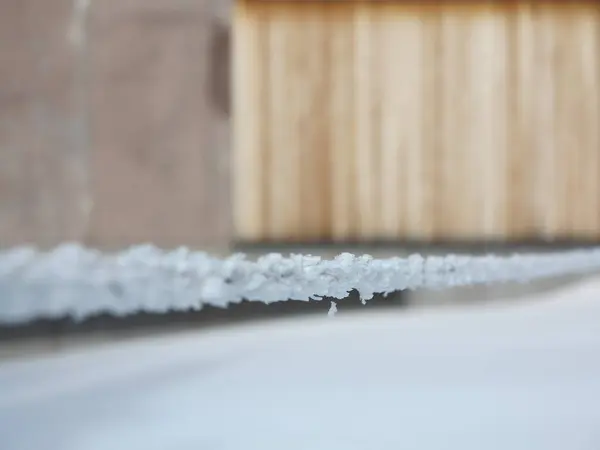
x=72, y=280
x=518, y=376
x=332, y=309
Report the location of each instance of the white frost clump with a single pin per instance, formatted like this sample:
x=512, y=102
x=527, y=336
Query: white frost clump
x=332, y=309
x=72, y=280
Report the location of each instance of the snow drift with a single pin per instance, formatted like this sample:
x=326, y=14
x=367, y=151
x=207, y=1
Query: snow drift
x=72, y=280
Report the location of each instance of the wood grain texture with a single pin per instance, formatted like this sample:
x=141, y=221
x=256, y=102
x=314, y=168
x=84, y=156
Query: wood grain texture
x=398, y=122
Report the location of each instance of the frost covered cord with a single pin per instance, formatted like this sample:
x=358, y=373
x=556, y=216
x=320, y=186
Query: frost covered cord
x=79, y=282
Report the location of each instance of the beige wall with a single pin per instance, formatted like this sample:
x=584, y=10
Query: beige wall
x=114, y=125
x=385, y=121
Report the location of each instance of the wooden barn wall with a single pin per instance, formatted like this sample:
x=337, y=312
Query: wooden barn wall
x=360, y=121
x=114, y=122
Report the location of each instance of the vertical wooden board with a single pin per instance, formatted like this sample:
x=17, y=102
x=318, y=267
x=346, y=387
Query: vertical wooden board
x=455, y=195
x=365, y=170
x=342, y=144
x=522, y=218
x=310, y=77
x=590, y=161
x=594, y=119
x=566, y=129
x=431, y=125
x=248, y=155
x=548, y=180
x=387, y=74
x=413, y=108
x=283, y=177
x=321, y=110
x=486, y=164
x=373, y=115
x=401, y=78
x=580, y=88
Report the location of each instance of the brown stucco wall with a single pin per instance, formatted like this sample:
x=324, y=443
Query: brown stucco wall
x=114, y=122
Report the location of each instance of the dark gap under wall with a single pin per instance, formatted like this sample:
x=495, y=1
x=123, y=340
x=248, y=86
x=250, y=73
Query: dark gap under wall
x=405, y=247
x=208, y=316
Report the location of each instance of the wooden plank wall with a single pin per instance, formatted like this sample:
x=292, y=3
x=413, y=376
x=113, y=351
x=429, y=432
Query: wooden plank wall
x=357, y=121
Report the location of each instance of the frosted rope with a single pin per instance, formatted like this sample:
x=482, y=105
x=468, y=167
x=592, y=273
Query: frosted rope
x=79, y=282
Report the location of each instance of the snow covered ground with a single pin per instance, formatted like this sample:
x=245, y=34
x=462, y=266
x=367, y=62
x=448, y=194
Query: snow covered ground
x=521, y=375
x=80, y=282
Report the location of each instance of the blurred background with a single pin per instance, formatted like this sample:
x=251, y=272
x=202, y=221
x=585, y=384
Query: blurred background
x=293, y=126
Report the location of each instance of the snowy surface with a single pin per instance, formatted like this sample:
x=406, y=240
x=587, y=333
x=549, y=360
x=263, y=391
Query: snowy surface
x=518, y=376
x=80, y=282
